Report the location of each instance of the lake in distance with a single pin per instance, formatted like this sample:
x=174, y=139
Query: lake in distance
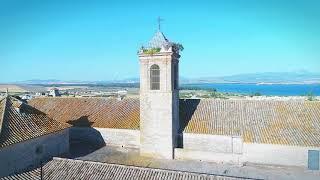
x=263, y=89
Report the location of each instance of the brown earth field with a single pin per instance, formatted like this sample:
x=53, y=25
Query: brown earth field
x=11, y=88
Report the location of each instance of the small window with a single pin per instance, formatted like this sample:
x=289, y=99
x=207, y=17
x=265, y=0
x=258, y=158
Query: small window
x=154, y=77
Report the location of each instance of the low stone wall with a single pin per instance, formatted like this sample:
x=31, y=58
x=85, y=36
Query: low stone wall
x=187, y=154
x=206, y=147
x=276, y=154
x=228, y=149
x=17, y=157
x=120, y=137
x=212, y=143
x=115, y=137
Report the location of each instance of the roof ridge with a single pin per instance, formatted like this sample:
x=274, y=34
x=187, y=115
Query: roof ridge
x=3, y=113
x=101, y=163
x=64, y=124
x=24, y=124
x=145, y=168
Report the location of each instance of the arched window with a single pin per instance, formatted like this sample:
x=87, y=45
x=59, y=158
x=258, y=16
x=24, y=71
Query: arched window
x=154, y=77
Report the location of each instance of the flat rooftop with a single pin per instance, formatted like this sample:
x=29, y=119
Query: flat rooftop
x=131, y=157
x=109, y=162
x=60, y=168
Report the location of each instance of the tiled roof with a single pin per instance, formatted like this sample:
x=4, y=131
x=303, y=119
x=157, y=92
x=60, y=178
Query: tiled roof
x=270, y=122
x=2, y=109
x=97, y=112
x=26, y=124
x=60, y=168
x=158, y=41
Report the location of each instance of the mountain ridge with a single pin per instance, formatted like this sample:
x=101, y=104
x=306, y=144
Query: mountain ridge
x=250, y=78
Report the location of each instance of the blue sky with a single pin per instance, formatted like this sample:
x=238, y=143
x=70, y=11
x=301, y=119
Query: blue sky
x=98, y=40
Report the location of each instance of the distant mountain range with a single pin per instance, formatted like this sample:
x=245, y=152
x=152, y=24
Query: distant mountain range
x=56, y=81
x=263, y=78
x=302, y=77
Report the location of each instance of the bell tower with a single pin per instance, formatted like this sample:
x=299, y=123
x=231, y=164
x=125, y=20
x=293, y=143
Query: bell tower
x=159, y=97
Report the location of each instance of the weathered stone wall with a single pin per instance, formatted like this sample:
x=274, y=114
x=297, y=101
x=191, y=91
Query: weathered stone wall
x=23, y=155
x=212, y=143
x=157, y=126
x=229, y=149
x=276, y=154
x=208, y=147
x=159, y=109
x=209, y=156
x=99, y=136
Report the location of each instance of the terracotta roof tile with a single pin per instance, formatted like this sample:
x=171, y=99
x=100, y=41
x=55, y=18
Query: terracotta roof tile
x=270, y=122
x=26, y=124
x=76, y=169
x=97, y=112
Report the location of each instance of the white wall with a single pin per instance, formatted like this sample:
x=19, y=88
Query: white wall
x=180, y=153
x=212, y=143
x=232, y=150
x=23, y=155
x=206, y=147
x=276, y=154
x=120, y=137
x=99, y=136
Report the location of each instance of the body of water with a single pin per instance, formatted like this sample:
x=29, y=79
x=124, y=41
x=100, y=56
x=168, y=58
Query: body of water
x=263, y=89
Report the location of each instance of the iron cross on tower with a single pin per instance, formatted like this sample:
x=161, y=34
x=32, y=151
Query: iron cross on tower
x=159, y=23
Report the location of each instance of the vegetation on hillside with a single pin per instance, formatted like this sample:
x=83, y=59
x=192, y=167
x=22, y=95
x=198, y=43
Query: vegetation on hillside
x=255, y=94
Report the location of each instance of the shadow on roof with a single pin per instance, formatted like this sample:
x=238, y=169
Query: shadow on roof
x=187, y=107
x=83, y=121
x=84, y=139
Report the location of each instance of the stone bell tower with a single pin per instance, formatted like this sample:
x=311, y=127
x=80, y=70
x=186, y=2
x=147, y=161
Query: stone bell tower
x=159, y=97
